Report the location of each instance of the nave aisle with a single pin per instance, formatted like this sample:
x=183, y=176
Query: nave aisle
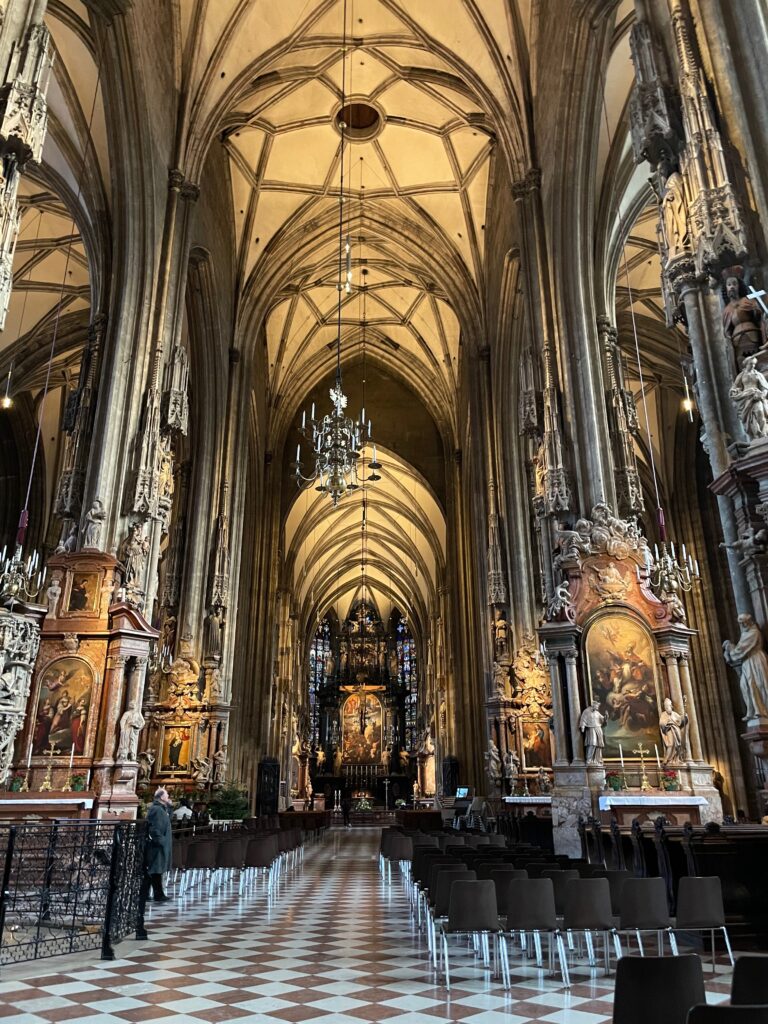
x=336, y=945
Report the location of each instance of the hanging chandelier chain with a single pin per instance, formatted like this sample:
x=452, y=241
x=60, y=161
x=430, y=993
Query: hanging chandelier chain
x=342, y=128
x=17, y=577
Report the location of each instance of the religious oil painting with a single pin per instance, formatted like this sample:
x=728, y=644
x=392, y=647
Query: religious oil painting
x=175, y=749
x=84, y=592
x=621, y=663
x=63, y=704
x=535, y=743
x=361, y=729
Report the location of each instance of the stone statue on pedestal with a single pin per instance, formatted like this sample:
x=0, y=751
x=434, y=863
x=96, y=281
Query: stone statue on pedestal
x=94, y=519
x=673, y=726
x=750, y=396
x=493, y=765
x=591, y=724
x=220, y=765
x=748, y=655
x=131, y=725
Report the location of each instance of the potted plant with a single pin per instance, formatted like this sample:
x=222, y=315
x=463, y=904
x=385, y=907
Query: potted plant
x=230, y=803
x=77, y=782
x=613, y=781
x=670, y=781
x=400, y=803
x=364, y=804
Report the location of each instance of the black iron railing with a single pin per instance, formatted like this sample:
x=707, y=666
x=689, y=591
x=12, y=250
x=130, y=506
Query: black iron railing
x=69, y=886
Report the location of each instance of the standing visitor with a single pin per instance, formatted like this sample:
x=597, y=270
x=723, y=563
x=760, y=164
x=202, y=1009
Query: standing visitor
x=159, y=840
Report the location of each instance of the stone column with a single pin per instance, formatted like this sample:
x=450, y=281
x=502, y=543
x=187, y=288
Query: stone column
x=690, y=706
x=136, y=681
x=673, y=675
x=717, y=414
x=112, y=700
x=557, y=709
x=574, y=707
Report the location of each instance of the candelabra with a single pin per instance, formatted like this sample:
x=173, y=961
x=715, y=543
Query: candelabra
x=20, y=579
x=668, y=575
x=336, y=441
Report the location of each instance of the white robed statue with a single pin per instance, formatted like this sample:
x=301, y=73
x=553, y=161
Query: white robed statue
x=748, y=655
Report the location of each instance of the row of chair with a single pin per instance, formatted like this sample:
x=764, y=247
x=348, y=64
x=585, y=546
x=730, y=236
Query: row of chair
x=201, y=866
x=556, y=902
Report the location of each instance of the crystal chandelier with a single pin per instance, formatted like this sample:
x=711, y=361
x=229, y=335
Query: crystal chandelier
x=336, y=440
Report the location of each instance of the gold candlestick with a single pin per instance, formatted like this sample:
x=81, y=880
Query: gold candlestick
x=645, y=785
x=47, y=784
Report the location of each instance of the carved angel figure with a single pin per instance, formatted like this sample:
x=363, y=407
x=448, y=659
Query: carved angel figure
x=575, y=543
x=146, y=761
x=202, y=768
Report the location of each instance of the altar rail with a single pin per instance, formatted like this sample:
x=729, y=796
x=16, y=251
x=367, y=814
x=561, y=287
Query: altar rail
x=68, y=886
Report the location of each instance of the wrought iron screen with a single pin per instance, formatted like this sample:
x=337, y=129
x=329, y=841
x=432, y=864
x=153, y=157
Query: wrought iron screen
x=68, y=886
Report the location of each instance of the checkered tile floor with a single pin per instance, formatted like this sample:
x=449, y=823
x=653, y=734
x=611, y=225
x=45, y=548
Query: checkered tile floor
x=336, y=945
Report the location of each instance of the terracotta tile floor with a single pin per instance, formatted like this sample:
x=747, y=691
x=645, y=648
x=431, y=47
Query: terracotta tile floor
x=336, y=944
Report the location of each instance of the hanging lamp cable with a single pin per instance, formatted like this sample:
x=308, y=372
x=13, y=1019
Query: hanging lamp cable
x=24, y=517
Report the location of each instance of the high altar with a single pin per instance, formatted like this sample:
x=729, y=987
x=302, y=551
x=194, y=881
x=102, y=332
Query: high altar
x=365, y=727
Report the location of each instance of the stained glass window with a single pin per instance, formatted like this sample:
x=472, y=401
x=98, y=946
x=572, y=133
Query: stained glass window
x=319, y=652
x=407, y=677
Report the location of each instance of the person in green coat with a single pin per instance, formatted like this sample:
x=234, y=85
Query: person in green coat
x=157, y=856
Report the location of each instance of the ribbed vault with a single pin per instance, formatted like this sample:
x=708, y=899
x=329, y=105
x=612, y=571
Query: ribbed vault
x=386, y=542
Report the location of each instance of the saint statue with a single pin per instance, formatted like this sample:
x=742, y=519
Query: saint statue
x=201, y=770
x=54, y=596
x=750, y=396
x=741, y=320
x=133, y=554
x=94, y=518
x=748, y=655
x=386, y=758
x=673, y=215
x=511, y=768
x=220, y=764
x=500, y=634
x=591, y=724
x=131, y=725
x=493, y=765
x=500, y=676
x=672, y=725
x=212, y=633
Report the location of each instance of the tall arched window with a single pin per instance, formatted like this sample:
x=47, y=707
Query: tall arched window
x=319, y=652
x=407, y=677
